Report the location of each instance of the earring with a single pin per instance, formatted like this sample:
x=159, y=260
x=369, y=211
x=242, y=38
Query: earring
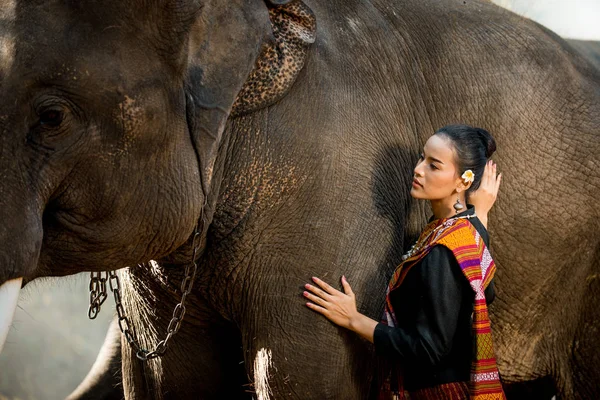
x=458, y=205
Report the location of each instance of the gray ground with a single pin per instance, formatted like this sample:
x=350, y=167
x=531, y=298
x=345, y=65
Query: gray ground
x=52, y=343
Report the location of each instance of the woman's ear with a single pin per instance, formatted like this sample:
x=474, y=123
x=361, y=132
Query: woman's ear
x=461, y=185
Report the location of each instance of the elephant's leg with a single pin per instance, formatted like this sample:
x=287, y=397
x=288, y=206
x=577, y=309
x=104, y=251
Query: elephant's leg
x=543, y=389
x=585, y=356
x=103, y=382
x=202, y=361
x=293, y=353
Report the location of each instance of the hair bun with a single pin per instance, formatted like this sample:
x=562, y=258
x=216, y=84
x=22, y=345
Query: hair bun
x=488, y=140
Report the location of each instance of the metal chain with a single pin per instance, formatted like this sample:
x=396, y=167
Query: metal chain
x=98, y=294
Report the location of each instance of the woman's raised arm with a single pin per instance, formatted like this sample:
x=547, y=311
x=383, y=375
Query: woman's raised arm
x=485, y=196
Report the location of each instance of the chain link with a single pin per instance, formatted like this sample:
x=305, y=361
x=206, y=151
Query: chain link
x=97, y=293
x=98, y=297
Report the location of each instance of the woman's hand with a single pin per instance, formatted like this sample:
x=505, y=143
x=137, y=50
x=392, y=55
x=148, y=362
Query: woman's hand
x=485, y=196
x=339, y=308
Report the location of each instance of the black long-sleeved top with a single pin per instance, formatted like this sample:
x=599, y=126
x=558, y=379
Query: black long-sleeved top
x=433, y=307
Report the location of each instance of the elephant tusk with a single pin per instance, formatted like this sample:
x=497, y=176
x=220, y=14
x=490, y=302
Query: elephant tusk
x=9, y=294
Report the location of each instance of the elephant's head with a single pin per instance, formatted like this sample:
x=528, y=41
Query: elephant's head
x=112, y=115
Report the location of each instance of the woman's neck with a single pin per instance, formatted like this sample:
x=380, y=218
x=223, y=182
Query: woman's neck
x=444, y=208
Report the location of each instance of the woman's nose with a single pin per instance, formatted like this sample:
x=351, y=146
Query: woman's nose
x=418, y=171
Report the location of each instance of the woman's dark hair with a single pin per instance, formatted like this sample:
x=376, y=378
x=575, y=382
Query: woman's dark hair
x=473, y=147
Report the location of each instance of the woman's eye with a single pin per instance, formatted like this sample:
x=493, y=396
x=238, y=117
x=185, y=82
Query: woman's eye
x=421, y=156
x=51, y=118
x=433, y=166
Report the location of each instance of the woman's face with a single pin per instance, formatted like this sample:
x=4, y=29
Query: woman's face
x=436, y=174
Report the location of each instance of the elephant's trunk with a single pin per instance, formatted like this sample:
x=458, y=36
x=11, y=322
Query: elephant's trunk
x=9, y=294
x=21, y=236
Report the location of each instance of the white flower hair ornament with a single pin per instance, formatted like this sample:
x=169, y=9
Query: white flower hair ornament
x=468, y=176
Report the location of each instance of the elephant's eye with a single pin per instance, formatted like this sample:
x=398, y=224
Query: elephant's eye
x=52, y=124
x=51, y=118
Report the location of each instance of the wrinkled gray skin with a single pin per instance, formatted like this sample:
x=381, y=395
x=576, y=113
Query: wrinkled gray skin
x=316, y=184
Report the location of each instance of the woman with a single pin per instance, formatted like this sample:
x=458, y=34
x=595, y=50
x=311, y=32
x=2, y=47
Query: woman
x=435, y=320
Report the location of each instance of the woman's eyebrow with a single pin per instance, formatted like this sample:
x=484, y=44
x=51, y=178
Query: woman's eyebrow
x=431, y=158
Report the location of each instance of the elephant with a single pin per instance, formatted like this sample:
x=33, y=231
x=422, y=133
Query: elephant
x=222, y=153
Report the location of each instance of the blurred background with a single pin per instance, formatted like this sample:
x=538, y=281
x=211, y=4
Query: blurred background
x=52, y=343
x=574, y=19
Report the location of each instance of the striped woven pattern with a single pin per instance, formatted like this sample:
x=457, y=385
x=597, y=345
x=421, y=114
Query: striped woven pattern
x=447, y=391
x=477, y=265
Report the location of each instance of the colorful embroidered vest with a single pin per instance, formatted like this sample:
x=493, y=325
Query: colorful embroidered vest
x=477, y=265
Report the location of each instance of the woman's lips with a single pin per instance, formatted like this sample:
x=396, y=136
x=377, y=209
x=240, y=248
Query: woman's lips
x=416, y=183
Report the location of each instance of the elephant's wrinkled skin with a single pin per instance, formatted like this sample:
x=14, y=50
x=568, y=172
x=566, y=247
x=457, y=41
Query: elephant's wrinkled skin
x=118, y=124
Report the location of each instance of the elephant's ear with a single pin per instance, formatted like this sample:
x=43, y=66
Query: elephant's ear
x=294, y=29
x=241, y=57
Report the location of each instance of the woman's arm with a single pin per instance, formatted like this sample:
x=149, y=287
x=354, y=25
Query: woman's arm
x=485, y=196
x=426, y=343
x=443, y=292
